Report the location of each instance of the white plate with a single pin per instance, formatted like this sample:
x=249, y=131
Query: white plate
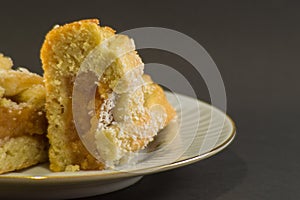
x=202, y=132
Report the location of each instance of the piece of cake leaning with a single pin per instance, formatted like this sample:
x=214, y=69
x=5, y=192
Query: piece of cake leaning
x=22, y=118
x=127, y=115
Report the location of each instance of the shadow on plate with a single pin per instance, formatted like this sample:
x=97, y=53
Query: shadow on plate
x=208, y=179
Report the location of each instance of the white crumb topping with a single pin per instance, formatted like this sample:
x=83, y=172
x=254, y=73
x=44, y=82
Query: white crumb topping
x=106, y=116
x=114, y=144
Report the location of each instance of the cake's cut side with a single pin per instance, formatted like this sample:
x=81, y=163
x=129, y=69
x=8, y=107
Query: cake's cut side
x=120, y=97
x=63, y=51
x=22, y=118
x=22, y=152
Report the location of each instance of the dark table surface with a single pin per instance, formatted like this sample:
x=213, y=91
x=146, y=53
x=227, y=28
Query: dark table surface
x=255, y=45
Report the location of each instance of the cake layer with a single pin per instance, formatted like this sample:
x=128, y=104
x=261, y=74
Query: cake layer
x=21, y=152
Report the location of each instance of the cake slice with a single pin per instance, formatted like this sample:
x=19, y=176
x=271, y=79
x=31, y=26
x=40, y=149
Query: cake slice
x=129, y=109
x=22, y=118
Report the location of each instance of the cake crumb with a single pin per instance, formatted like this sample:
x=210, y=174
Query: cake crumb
x=72, y=168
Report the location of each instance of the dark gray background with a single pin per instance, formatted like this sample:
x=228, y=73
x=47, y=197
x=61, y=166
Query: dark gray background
x=255, y=45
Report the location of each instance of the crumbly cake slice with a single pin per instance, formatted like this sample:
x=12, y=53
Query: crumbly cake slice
x=136, y=118
x=22, y=121
x=65, y=49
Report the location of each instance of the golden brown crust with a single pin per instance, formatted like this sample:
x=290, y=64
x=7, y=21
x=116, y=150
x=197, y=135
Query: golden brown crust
x=24, y=121
x=16, y=81
x=22, y=102
x=5, y=62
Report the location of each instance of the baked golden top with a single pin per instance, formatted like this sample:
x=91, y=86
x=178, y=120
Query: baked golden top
x=22, y=99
